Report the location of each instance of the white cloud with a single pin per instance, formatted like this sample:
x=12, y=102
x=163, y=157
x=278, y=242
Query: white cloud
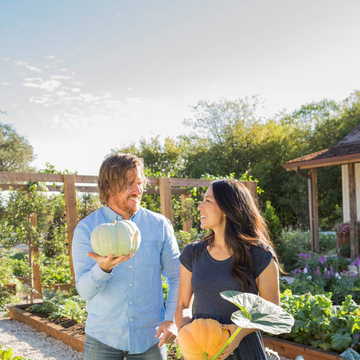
x=62, y=93
x=6, y=83
x=20, y=63
x=92, y=98
x=33, y=68
x=49, y=85
x=34, y=79
x=50, y=57
x=61, y=77
x=31, y=85
x=6, y=58
x=64, y=69
x=75, y=90
x=40, y=100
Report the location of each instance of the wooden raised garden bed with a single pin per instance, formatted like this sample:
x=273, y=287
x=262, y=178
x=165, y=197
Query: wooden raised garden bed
x=67, y=336
x=291, y=350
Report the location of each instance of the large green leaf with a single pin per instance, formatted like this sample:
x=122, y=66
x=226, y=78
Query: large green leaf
x=350, y=354
x=264, y=315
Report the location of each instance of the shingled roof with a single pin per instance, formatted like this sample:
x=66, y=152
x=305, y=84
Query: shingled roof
x=345, y=152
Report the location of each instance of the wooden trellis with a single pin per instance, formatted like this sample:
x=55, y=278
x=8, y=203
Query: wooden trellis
x=70, y=183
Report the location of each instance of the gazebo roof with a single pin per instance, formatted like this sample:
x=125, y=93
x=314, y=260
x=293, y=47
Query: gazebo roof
x=345, y=152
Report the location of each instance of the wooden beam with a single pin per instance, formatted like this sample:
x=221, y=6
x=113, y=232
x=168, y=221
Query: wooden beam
x=33, y=177
x=186, y=226
x=311, y=215
x=71, y=214
x=331, y=161
x=190, y=182
x=35, y=258
x=354, y=245
x=165, y=198
x=315, y=212
x=252, y=186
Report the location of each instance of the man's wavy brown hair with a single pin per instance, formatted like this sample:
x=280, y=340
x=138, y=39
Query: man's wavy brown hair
x=114, y=174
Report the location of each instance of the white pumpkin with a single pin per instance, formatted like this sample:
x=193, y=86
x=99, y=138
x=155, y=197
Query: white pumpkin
x=117, y=238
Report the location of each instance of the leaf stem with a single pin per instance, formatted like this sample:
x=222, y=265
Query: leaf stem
x=233, y=336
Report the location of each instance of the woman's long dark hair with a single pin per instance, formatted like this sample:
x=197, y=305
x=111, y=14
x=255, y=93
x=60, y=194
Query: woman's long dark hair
x=244, y=227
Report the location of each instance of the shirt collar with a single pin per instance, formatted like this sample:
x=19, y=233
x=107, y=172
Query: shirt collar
x=113, y=216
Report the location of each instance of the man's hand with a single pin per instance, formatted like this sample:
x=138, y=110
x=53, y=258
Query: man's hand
x=169, y=331
x=109, y=262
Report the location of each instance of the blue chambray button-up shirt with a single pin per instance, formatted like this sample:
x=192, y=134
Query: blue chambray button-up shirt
x=126, y=306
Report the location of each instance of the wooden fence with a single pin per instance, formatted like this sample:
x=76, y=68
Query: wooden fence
x=70, y=183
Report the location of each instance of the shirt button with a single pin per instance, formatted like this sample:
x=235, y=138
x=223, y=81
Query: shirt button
x=130, y=302
x=130, y=266
x=131, y=319
x=130, y=284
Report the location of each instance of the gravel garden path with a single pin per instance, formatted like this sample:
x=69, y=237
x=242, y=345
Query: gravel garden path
x=27, y=342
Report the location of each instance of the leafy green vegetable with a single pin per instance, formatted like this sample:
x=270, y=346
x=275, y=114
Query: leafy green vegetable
x=350, y=354
x=257, y=313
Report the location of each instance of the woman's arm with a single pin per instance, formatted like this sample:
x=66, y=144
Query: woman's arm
x=268, y=283
x=183, y=313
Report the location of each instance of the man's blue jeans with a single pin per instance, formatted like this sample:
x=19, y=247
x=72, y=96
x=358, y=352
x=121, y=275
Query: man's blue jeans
x=95, y=350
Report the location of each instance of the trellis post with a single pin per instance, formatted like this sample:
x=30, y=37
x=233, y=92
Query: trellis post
x=165, y=198
x=36, y=273
x=186, y=225
x=71, y=214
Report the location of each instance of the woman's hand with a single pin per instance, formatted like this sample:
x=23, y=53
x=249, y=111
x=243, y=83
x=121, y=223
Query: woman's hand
x=233, y=345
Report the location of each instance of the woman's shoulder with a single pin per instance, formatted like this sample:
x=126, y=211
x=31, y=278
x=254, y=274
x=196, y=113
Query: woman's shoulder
x=261, y=250
x=196, y=246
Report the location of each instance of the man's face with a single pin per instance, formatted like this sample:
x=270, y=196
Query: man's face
x=127, y=201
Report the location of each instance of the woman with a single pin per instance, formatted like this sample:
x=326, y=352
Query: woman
x=236, y=255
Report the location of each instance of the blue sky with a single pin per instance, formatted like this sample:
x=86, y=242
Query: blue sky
x=79, y=78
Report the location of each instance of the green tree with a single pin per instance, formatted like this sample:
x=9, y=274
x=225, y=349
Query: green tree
x=15, y=151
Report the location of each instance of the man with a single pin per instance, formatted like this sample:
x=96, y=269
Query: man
x=126, y=315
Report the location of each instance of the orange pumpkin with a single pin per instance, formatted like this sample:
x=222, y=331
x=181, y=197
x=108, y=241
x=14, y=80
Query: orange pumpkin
x=202, y=339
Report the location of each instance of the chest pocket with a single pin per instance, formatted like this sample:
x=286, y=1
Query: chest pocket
x=150, y=254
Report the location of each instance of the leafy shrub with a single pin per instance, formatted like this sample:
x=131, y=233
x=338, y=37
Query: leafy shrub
x=319, y=274
x=294, y=242
x=319, y=323
x=8, y=355
x=73, y=308
x=55, y=270
x=183, y=237
x=7, y=277
x=273, y=223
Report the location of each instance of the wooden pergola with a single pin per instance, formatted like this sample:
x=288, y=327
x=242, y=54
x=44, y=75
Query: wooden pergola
x=346, y=152
x=70, y=183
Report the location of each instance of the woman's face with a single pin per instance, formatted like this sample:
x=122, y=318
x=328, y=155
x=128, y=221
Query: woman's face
x=211, y=217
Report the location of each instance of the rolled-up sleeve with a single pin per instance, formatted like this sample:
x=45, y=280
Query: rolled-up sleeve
x=90, y=279
x=170, y=270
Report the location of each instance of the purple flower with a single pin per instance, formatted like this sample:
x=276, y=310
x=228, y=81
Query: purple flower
x=297, y=271
x=357, y=261
x=317, y=272
x=322, y=259
x=331, y=271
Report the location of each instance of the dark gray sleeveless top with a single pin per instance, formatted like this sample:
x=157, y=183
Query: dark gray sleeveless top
x=209, y=278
